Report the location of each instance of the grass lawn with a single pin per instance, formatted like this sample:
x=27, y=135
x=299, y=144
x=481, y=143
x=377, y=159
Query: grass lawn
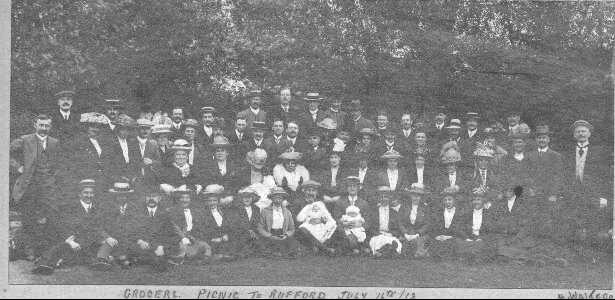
x=340, y=271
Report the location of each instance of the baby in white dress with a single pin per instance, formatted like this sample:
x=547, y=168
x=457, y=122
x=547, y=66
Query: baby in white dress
x=353, y=216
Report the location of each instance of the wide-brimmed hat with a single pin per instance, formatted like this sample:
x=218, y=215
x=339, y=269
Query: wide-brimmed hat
x=256, y=125
x=144, y=123
x=213, y=189
x=384, y=189
x=248, y=191
x=276, y=190
x=367, y=131
x=454, y=124
x=94, y=118
x=328, y=124
x=256, y=154
x=124, y=121
x=64, y=93
x=472, y=115
x=161, y=129
x=220, y=142
x=290, y=156
x=479, y=191
x=121, y=187
x=391, y=154
x=181, y=145
x=190, y=123
x=183, y=190
x=415, y=189
x=583, y=123
x=352, y=179
x=451, y=190
x=542, y=130
x=313, y=96
x=483, y=151
x=311, y=183
x=450, y=153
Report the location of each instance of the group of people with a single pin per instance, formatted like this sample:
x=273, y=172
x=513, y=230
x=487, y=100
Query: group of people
x=104, y=189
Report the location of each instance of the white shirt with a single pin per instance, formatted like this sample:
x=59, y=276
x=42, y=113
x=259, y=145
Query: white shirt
x=277, y=139
x=413, y=212
x=439, y=126
x=255, y=111
x=512, y=129
x=96, y=146
x=362, y=173
x=519, y=156
x=407, y=132
x=352, y=200
x=448, y=217
x=124, y=146
x=452, y=178
x=217, y=216
x=383, y=214
x=543, y=150
x=258, y=143
x=419, y=174
x=477, y=221
x=188, y=216
x=285, y=107
x=277, y=221
x=177, y=126
x=314, y=114
x=483, y=176
x=393, y=176
x=334, y=172
x=249, y=212
x=511, y=203
x=292, y=140
x=43, y=141
x=65, y=115
x=471, y=133
x=142, y=144
x=580, y=160
x=389, y=145
x=222, y=167
x=152, y=211
x=208, y=130
x=239, y=135
x=86, y=206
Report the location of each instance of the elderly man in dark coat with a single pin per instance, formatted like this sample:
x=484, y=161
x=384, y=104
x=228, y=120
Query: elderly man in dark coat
x=37, y=158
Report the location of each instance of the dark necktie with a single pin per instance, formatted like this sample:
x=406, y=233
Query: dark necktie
x=581, y=150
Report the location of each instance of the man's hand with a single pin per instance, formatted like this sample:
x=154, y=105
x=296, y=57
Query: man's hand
x=275, y=238
x=20, y=170
x=552, y=198
x=252, y=234
x=159, y=251
x=284, y=182
x=143, y=244
x=216, y=240
x=225, y=238
x=603, y=203
x=73, y=245
x=443, y=237
x=186, y=241
x=148, y=161
x=111, y=242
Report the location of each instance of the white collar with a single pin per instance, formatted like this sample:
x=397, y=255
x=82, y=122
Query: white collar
x=396, y=208
x=313, y=112
x=65, y=113
x=543, y=150
x=291, y=139
x=255, y=111
x=579, y=145
x=450, y=210
x=512, y=199
x=238, y=133
x=85, y=205
x=480, y=211
x=42, y=138
x=142, y=140
x=389, y=143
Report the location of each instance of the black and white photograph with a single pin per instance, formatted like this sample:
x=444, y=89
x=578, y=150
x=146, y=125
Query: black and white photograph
x=308, y=149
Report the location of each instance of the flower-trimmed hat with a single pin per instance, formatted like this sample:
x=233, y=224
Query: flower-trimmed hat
x=213, y=189
x=454, y=124
x=161, y=129
x=451, y=190
x=94, y=118
x=181, y=145
x=328, y=124
x=367, y=131
x=483, y=151
x=124, y=121
x=313, y=96
x=121, y=187
x=311, y=183
x=145, y=123
x=415, y=188
x=450, y=153
x=276, y=190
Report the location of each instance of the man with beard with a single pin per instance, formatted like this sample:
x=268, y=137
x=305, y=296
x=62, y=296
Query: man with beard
x=199, y=153
x=255, y=111
x=113, y=108
x=35, y=157
x=295, y=144
x=65, y=121
x=313, y=114
x=286, y=111
x=405, y=133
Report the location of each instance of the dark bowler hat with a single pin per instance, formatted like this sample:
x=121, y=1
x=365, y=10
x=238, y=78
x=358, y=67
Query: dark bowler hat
x=191, y=123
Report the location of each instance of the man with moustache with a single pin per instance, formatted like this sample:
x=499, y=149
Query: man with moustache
x=206, y=132
x=255, y=111
x=35, y=157
x=177, y=118
x=65, y=120
x=286, y=111
x=277, y=142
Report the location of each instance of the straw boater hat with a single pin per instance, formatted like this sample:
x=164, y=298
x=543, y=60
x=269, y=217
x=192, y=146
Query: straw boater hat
x=190, y=123
x=220, y=142
x=121, y=187
x=276, y=190
x=391, y=154
x=290, y=156
x=248, y=191
x=66, y=93
x=93, y=118
x=256, y=125
x=313, y=96
x=310, y=183
x=182, y=190
x=582, y=123
x=483, y=151
x=145, y=123
x=450, y=153
x=352, y=179
x=451, y=190
x=542, y=130
x=472, y=116
x=454, y=124
x=255, y=92
x=87, y=183
x=181, y=145
x=116, y=103
x=208, y=109
x=416, y=189
x=328, y=124
x=161, y=129
x=366, y=131
x=124, y=121
x=384, y=189
x=213, y=189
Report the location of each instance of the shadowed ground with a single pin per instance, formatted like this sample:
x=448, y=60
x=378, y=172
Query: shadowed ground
x=341, y=271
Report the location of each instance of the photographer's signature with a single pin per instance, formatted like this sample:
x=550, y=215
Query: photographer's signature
x=586, y=295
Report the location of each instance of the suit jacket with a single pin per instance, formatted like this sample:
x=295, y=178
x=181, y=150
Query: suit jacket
x=372, y=219
x=546, y=171
x=251, y=117
x=370, y=176
x=212, y=175
x=211, y=229
x=179, y=226
x=87, y=163
x=274, y=149
x=455, y=229
x=120, y=226
x=400, y=146
x=382, y=178
x=244, y=223
x=278, y=113
x=86, y=227
x=266, y=221
x=421, y=224
x=64, y=130
x=597, y=175
x=324, y=177
x=315, y=160
x=441, y=181
x=518, y=172
x=339, y=117
x=514, y=221
x=24, y=151
x=436, y=134
x=156, y=230
x=340, y=207
x=354, y=126
x=428, y=175
x=493, y=180
x=308, y=123
x=118, y=165
x=300, y=145
x=487, y=226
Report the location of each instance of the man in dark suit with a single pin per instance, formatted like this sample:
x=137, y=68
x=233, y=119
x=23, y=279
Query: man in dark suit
x=388, y=142
x=205, y=133
x=240, y=134
x=546, y=169
x=257, y=139
x=287, y=110
x=437, y=130
x=177, y=118
x=277, y=143
x=255, y=112
x=313, y=114
x=335, y=112
x=149, y=152
x=37, y=158
x=161, y=134
x=405, y=132
x=65, y=120
x=393, y=176
x=295, y=142
x=92, y=155
x=447, y=226
x=359, y=167
x=414, y=222
x=248, y=217
x=356, y=121
x=187, y=220
x=383, y=229
x=472, y=132
x=81, y=234
x=315, y=156
x=199, y=153
x=124, y=159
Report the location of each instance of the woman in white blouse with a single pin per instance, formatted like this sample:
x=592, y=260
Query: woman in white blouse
x=289, y=174
x=317, y=224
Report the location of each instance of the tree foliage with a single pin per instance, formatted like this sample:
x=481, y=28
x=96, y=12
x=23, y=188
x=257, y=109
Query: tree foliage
x=551, y=60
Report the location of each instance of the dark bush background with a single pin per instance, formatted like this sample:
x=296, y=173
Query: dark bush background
x=550, y=60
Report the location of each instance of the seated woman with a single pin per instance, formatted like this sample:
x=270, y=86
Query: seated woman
x=180, y=172
x=478, y=227
x=276, y=227
x=257, y=176
x=218, y=224
x=248, y=216
x=384, y=227
x=317, y=225
x=414, y=222
x=289, y=174
x=446, y=227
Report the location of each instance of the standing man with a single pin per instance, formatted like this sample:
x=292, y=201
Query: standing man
x=313, y=115
x=254, y=112
x=239, y=139
x=335, y=112
x=277, y=142
x=515, y=125
x=546, y=168
x=65, y=121
x=124, y=148
x=295, y=144
x=36, y=158
x=437, y=131
x=356, y=121
x=286, y=111
x=149, y=153
x=392, y=176
x=206, y=133
x=199, y=153
x=91, y=155
x=177, y=116
x=114, y=108
x=405, y=132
